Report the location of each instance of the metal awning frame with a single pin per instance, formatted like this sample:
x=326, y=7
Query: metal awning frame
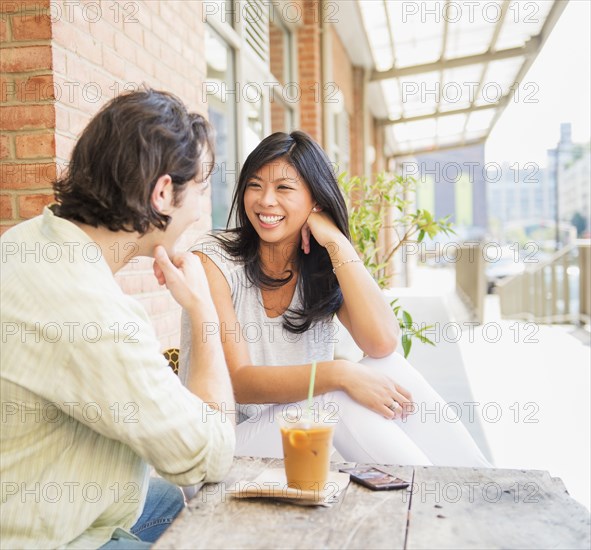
x=529, y=51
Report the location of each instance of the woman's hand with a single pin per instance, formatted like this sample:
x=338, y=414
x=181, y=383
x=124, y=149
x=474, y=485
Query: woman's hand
x=322, y=227
x=375, y=390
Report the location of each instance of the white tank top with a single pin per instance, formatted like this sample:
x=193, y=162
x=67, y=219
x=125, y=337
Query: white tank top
x=269, y=343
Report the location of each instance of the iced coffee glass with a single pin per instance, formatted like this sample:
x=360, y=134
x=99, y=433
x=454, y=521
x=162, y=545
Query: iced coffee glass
x=307, y=445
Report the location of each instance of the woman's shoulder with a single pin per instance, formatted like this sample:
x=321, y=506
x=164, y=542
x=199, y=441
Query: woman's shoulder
x=215, y=245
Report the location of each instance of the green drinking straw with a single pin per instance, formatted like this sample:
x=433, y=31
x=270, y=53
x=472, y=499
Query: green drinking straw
x=311, y=388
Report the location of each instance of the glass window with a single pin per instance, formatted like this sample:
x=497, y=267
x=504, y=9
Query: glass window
x=243, y=105
x=222, y=115
x=281, y=67
x=253, y=107
x=339, y=150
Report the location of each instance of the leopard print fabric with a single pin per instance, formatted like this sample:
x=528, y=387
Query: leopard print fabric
x=172, y=356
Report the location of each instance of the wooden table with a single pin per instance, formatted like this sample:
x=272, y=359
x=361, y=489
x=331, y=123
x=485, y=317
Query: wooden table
x=443, y=508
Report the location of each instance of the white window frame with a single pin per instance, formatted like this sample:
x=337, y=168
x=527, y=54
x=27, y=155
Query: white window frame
x=248, y=67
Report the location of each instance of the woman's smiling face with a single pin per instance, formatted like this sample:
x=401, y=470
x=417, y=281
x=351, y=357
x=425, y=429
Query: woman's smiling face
x=277, y=202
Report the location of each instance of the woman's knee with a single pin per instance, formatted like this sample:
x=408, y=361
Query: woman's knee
x=396, y=366
x=394, y=359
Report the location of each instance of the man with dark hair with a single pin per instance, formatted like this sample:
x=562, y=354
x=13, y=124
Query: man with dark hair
x=88, y=401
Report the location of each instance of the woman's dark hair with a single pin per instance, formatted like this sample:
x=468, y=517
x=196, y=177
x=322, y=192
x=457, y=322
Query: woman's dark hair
x=131, y=142
x=317, y=284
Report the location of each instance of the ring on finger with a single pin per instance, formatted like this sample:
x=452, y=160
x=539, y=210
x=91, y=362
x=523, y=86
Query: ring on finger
x=394, y=406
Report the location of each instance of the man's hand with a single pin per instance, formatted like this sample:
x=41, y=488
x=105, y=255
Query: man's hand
x=183, y=276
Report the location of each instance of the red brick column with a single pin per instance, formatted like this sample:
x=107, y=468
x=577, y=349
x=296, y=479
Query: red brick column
x=309, y=65
x=27, y=113
x=357, y=144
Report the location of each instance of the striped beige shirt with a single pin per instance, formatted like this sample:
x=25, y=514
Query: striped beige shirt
x=87, y=398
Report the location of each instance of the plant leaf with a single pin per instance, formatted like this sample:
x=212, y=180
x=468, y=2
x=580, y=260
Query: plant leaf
x=369, y=200
x=407, y=319
x=406, y=344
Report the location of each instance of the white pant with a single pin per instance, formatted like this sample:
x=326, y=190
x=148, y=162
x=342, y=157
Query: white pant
x=362, y=435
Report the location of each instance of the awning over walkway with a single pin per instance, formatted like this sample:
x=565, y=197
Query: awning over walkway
x=447, y=69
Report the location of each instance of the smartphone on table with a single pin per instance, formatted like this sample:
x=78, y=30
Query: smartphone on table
x=375, y=479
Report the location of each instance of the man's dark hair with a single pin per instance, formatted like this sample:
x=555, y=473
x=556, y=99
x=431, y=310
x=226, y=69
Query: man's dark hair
x=132, y=141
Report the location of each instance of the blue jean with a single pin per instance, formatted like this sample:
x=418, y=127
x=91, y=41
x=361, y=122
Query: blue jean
x=164, y=503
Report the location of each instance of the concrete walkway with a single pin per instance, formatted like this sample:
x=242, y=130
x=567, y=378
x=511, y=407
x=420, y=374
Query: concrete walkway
x=531, y=382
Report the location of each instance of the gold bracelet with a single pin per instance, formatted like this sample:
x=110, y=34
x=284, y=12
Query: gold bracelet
x=345, y=262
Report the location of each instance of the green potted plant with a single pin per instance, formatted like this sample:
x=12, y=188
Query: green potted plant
x=369, y=201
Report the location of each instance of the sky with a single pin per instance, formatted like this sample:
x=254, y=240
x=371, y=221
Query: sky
x=562, y=72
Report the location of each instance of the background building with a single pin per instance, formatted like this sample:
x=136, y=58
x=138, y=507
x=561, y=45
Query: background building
x=569, y=167
x=521, y=202
x=522, y=198
x=453, y=183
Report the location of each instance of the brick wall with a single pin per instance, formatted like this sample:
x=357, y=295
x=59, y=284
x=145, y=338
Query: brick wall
x=377, y=140
x=309, y=68
x=342, y=71
x=357, y=145
x=72, y=59
x=27, y=114
x=98, y=54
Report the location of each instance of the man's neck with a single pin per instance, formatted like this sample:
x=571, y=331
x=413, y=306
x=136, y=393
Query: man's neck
x=117, y=247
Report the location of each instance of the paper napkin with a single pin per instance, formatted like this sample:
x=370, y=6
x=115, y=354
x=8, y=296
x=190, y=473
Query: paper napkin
x=272, y=483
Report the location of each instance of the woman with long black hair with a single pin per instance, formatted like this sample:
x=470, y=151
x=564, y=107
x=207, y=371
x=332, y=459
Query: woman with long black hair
x=277, y=279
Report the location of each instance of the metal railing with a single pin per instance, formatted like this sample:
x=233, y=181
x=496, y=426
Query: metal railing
x=470, y=277
x=555, y=291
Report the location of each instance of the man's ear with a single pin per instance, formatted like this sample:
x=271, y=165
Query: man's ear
x=162, y=194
